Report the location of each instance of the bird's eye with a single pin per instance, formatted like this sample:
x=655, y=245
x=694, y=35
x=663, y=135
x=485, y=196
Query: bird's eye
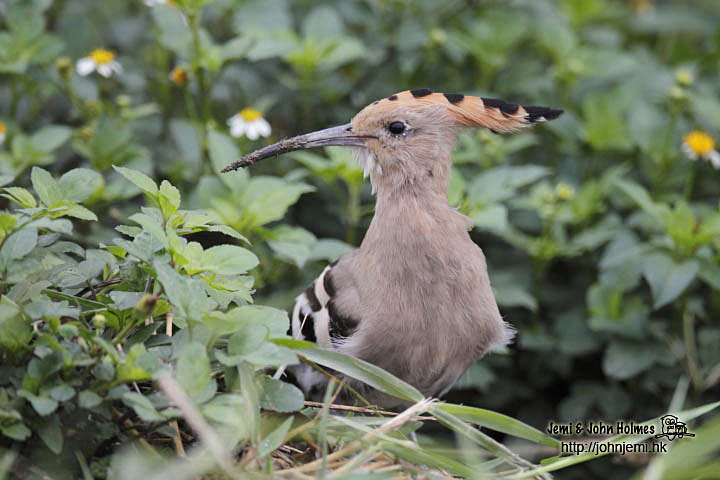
x=396, y=128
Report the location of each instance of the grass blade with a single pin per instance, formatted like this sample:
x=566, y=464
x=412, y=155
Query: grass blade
x=499, y=423
x=366, y=372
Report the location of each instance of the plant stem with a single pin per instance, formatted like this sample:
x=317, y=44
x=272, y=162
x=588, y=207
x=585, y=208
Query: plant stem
x=691, y=357
x=194, y=21
x=121, y=334
x=14, y=97
x=689, y=182
x=660, y=173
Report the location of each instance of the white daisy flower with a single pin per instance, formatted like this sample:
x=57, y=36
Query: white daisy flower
x=249, y=122
x=101, y=60
x=3, y=132
x=698, y=144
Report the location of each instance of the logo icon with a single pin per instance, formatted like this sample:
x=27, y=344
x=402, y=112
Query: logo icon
x=672, y=428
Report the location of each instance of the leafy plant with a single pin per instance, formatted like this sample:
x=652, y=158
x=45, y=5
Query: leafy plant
x=143, y=320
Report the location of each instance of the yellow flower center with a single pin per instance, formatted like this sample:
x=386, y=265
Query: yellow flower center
x=684, y=77
x=250, y=114
x=699, y=142
x=101, y=56
x=171, y=3
x=564, y=191
x=3, y=128
x=179, y=76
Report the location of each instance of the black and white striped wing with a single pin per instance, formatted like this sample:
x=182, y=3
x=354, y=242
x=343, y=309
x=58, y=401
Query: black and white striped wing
x=315, y=316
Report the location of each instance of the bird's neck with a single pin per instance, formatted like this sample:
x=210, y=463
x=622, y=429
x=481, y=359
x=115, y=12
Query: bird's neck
x=412, y=215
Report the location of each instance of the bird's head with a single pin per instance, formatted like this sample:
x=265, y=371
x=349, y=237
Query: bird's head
x=408, y=136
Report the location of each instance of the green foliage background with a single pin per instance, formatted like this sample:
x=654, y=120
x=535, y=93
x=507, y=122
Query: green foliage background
x=602, y=236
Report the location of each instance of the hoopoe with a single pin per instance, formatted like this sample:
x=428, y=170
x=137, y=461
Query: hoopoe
x=415, y=297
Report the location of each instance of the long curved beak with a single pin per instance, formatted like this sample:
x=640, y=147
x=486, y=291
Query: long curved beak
x=341, y=135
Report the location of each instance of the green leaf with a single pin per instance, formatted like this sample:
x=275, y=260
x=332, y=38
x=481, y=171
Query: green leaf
x=78, y=211
x=152, y=226
x=322, y=23
x=271, y=355
x=46, y=187
x=142, y=181
x=227, y=230
x=492, y=217
x=329, y=249
x=18, y=245
x=187, y=295
x=193, y=369
x=641, y=197
x=514, y=296
x=228, y=409
x=222, y=150
x=51, y=433
x=131, y=367
x=169, y=198
x=104, y=371
x=276, y=321
x=174, y=30
x=79, y=184
x=21, y=196
x=15, y=329
x=266, y=199
x=49, y=138
x=42, y=405
x=246, y=340
x=62, y=393
x=88, y=399
x=274, y=439
x=279, y=396
x=294, y=244
x=142, y=406
x=604, y=127
x=710, y=274
x=358, y=369
x=624, y=359
x=668, y=279
x=500, y=183
x=228, y=260
x=499, y=423
x=15, y=430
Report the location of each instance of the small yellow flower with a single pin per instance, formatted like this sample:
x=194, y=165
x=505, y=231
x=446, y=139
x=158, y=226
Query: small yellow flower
x=684, y=77
x=64, y=67
x=563, y=191
x=179, y=76
x=249, y=122
x=3, y=132
x=101, y=60
x=698, y=144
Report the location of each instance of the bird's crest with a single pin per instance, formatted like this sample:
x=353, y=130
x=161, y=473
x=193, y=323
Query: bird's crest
x=497, y=115
x=464, y=110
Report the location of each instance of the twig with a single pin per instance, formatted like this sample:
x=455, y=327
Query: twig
x=392, y=424
x=169, y=323
x=193, y=417
x=177, y=441
x=372, y=411
x=98, y=286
